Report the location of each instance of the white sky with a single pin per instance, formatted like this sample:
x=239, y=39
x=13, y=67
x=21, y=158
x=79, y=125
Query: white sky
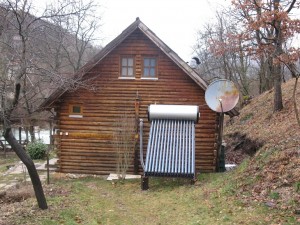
x=174, y=21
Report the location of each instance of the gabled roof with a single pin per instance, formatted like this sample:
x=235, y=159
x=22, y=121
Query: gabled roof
x=137, y=24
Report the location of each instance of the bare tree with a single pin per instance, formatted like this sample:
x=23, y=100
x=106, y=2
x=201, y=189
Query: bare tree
x=73, y=36
x=264, y=28
x=25, y=77
x=124, y=142
x=267, y=26
x=229, y=60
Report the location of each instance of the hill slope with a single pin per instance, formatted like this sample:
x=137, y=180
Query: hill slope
x=272, y=173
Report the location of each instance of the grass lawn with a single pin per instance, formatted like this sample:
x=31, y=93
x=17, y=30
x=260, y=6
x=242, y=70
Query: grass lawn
x=11, y=159
x=93, y=200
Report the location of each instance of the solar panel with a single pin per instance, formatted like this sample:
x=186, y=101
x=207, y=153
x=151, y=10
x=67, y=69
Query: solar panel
x=171, y=144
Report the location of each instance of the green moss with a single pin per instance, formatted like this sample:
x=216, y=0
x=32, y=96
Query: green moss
x=247, y=117
x=274, y=195
x=297, y=186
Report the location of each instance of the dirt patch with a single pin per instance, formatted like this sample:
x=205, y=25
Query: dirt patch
x=239, y=146
x=12, y=201
x=16, y=194
x=53, y=191
x=20, y=202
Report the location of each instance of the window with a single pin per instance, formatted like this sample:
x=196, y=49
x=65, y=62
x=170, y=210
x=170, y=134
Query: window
x=127, y=66
x=150, y=66
x=75, y=111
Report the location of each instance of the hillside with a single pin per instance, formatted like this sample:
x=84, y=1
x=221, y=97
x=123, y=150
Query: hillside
x=270, y=173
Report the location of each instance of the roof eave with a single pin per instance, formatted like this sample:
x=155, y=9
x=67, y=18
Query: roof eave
x=172, y=55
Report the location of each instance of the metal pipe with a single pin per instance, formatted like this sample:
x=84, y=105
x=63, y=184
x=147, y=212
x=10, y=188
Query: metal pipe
x=190, y=148
x=141, y=144
x=153, y=148
x=158, y=142
x=150, y=147
x=167, y=159
x=174, y=146
x=162, y=146
x=186, y=147
x=183, y=148
x=193, y=147
x=180, y=147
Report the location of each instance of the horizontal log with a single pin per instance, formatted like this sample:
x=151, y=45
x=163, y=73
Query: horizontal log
x=72, y=135
x=89, y=146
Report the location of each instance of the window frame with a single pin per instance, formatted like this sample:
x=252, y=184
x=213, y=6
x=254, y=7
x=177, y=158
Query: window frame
x=75, y=114
x=155, y=77
x=121, y=76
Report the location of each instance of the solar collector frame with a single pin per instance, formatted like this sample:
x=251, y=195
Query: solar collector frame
x=171, y=144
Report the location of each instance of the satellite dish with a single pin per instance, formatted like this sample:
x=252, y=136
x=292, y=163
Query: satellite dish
x=221, y=95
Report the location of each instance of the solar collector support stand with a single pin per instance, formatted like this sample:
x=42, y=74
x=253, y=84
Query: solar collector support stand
x=171, y=144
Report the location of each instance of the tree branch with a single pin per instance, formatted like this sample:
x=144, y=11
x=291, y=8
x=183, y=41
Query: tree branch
x=291, y=6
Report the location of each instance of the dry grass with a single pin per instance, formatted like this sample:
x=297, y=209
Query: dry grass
x=93, y=200
x=280, y=130
x=273, y=174
x=18, y=193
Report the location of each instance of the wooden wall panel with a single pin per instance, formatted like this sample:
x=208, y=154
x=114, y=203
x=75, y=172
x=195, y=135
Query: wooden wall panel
x=89, y=145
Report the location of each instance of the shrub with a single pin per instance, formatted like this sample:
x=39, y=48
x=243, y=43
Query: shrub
x=36, y=150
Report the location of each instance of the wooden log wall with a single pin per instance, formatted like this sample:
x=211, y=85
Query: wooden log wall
x=89, y=146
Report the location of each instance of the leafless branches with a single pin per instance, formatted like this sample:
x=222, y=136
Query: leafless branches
x=37, y=54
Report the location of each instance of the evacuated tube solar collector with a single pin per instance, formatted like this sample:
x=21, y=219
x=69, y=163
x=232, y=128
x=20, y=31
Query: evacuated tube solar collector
x=171, y=144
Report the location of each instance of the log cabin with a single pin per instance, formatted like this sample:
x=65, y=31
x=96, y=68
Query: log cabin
x=134, y=70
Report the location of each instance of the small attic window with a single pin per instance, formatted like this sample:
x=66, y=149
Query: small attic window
x=149, y=67
x=127, y=67
x=75, y=111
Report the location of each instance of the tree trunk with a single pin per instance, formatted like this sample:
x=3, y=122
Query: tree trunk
x=35, y=179
x=32, y=134
x=295, y=102
x=26, y=134
x=278, y=51
x=277, y=89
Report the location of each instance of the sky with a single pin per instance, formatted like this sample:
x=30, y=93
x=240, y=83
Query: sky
x=175, y=22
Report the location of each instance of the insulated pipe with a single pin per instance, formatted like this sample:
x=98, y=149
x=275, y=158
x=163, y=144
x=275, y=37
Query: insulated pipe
x=141, y=144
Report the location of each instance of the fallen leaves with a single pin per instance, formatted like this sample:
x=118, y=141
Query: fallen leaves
x=276, y=166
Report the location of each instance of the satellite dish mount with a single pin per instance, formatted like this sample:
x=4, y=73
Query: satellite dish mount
x=221, y=96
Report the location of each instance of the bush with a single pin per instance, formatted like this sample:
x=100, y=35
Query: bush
x=36, y=150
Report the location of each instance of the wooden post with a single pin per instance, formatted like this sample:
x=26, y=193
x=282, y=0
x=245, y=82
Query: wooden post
x=3, y=145
x=26, y=133
x=4, y=148
x=136, y=146
x=48, y=150
x=193, y=181
x=220, y=138
x=144, y=183
x=20, y=135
